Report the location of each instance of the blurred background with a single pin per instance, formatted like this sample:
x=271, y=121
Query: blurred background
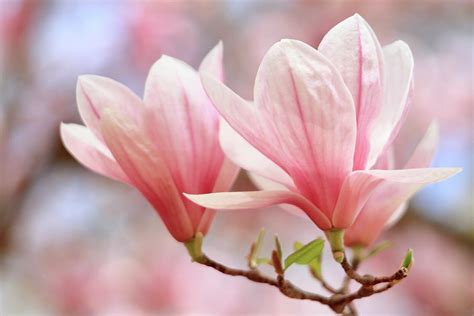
x=74, y=243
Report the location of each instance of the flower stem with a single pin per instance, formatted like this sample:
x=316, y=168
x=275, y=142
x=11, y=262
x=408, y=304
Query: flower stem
x=336, y=240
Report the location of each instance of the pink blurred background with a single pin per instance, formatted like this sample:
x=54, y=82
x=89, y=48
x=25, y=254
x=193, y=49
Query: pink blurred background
x=74, y=243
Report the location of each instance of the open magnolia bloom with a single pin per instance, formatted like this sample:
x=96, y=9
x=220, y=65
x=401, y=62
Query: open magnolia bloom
x=320, y=128
x=163, y=145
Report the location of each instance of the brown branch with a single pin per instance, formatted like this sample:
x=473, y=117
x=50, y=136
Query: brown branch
x=285, y=287
x=369, y=280
x=252, y=275
x=347, y=280
x=386, y=287
x=337, y=302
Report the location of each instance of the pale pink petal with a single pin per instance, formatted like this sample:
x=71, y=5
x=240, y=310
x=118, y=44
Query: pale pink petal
x=387, y=205
x=397, y=94
x=249, y=158
x=355, y=192
x=227, y=175
x=224, y=182
x=184, y=127
x=239, y=113
x=146, y=171
x=305, y=109
x=386, y=160
x=95, y=93
x=260, y=199
x=425, y=151
x=360, y=185
x=90, y=152
x=355, y=51
x=263, y=183
x=212, y=63
x=267, y=184
x=397, y=215
x=382, y=204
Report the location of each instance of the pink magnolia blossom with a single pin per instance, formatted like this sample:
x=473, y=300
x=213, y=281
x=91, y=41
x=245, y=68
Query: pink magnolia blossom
x=163, y=145
x=320, y=126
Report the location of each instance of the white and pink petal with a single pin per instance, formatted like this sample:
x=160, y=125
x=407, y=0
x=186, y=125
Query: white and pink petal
x=425, y=150
x=227, y=175
x=360, y=185
x=138, y=158
x=386, y=201
x=260, y=199
x=399, y=64
x=242, y=153
x=212, y=64
x=184, y=126
x=356, y=52
x=95, y=93
x=304, y=109
x=90, y=152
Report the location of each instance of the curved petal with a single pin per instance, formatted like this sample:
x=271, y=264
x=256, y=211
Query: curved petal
x=396, y=215
x=305, y=109
x=377, y=210
x=266, y=184
x=397, y=94
x=386, y=160
x=383, y=203
x=95, y=93
x=237, y=149
x=212, y=63
x=184, y=126
x=224, y=182
x=90, y=152
x=355, y=51
x=239, y=113
x=389, y=201
x=354, y=193
x=425, y=150
x=259, y=199
x=146, y=171
x=360, y=185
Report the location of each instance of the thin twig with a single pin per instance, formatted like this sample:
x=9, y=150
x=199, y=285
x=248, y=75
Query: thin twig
x=369, y=280
x=385, y=287
x=285, y=287
x=347, y=280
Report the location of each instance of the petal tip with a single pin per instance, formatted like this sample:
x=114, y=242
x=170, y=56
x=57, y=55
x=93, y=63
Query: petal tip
x=62, y=130
x=162, y=61
x=219, y=46
x=87, y=80
x=355, y=18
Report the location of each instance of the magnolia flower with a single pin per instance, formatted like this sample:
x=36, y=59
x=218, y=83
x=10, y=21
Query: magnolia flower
x=320, y=127
x=163, y=145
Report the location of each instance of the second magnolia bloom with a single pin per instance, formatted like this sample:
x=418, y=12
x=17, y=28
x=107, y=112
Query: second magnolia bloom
x=163, y=145
x=321, y=126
